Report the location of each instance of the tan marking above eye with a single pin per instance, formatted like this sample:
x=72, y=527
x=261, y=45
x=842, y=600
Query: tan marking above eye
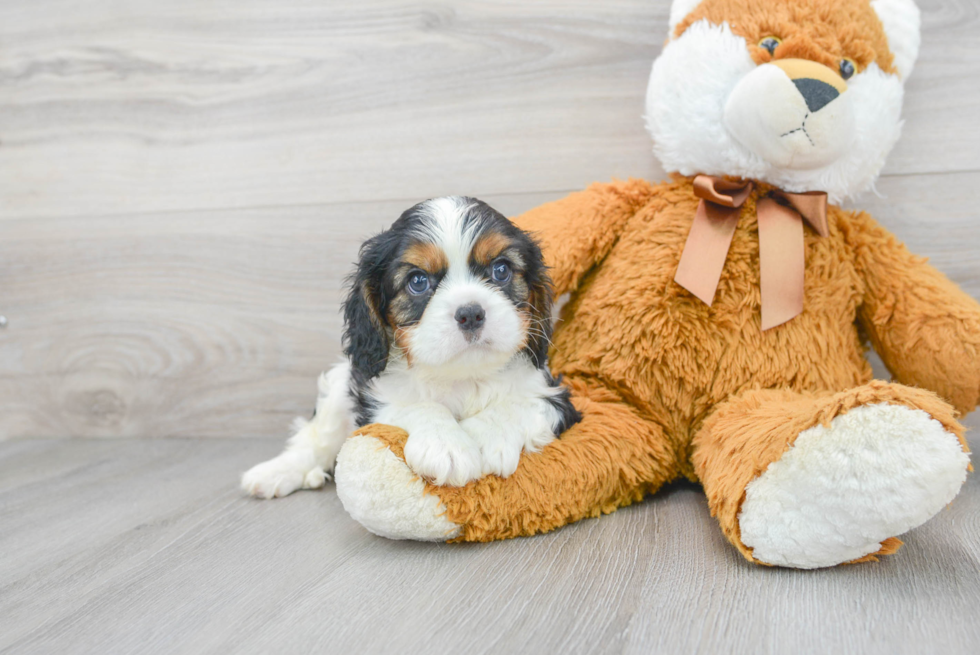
x=427, y=256
x=517, y=262
x=490, y=246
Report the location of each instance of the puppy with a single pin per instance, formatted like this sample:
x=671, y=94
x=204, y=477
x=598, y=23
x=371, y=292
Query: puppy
x=447, y=329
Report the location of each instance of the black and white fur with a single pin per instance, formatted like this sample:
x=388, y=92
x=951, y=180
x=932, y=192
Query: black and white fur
x=447, y=329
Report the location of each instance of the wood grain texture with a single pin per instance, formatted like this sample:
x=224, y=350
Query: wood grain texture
x=109, y=107
x=183, y=185
x=187, y=324
x=198, y=104
x=217, y=323
x=145, y=546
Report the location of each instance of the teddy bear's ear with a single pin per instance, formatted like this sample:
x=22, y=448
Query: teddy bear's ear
x=901, y=21
x=679, y=10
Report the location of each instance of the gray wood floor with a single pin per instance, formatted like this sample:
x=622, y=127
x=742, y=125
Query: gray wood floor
x=145, y=546
x=183, y=186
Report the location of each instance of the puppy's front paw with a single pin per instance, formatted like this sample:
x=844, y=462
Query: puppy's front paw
x=500, y=457
x=499, y=454
x=281, y=476
x=446, y=457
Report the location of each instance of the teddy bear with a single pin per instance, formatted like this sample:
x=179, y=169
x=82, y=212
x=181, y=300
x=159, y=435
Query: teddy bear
x=717, y=322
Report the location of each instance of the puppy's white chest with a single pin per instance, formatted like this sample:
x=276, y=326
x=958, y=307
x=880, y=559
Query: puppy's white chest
x=463, y=398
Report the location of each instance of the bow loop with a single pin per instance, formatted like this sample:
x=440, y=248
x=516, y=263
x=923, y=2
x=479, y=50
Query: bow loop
x=781, y=243
x=721, y=191
x=811, y=205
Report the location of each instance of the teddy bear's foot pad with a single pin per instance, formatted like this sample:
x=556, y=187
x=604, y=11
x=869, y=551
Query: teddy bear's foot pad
x=839, y=491
x=384, y=495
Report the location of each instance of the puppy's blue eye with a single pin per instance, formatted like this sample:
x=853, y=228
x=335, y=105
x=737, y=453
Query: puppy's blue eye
x=418, y=283
x=500, y=272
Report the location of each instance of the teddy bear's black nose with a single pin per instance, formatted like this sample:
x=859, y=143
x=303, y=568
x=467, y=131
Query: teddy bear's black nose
x=816, y=93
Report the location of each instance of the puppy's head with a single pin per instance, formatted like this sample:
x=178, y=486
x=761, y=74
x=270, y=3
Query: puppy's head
x=453, y=288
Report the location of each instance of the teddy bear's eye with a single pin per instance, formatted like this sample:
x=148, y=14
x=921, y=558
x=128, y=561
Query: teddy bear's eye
x=846, y=68
x=770, y=43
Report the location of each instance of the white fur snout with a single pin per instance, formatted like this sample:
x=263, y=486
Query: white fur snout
x=438, y=341
x=767, y=114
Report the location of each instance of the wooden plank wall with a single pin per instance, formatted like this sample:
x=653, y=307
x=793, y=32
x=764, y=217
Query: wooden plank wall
x=183, y=184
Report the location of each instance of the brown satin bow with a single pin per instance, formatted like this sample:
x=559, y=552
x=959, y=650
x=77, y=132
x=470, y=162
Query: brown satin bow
x=780, y=243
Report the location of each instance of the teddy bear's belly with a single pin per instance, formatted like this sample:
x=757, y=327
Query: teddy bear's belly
x=631, y=326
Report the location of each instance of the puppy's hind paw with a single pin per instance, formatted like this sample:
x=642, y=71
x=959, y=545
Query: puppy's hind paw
x=280, y=477
x=315, y=478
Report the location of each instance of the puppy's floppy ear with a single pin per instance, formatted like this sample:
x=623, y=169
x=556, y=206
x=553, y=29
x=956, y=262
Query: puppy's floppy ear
x=365, y=327
x=540, y=298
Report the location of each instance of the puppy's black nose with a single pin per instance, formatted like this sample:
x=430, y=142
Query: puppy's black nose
x=815, y=92
x=470, y=317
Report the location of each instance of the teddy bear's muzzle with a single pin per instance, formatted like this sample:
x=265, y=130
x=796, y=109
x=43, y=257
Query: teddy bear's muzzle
x=793, y=113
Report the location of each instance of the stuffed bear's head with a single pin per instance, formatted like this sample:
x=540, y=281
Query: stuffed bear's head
x=803, y=94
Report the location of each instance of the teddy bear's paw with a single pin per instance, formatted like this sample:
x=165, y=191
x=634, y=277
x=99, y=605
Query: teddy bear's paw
x=839, y=491
x=380, y=491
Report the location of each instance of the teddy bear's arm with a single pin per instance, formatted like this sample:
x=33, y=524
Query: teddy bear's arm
x=578, y=231
x=926, y=329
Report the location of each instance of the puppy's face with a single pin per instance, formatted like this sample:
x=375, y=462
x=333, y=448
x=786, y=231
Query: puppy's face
x=454, y=288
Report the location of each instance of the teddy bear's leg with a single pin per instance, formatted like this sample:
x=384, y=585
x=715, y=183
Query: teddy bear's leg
x=808, y=481
x=612, y=458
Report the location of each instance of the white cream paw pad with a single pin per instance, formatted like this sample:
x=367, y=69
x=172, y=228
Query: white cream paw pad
x=381, y=493
x=876, y=472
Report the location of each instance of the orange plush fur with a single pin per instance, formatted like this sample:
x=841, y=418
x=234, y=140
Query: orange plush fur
x=670, y=387
x=824, y=31
x=643, y=358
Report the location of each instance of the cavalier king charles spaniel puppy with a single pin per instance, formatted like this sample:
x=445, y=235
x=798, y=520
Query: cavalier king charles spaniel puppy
x=447, y=329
